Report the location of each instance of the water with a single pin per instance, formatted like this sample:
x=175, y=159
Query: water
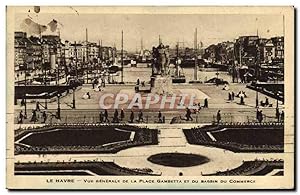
x=131, y=74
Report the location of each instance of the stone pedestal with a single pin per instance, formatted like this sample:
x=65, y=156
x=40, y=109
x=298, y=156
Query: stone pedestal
x=161, y=85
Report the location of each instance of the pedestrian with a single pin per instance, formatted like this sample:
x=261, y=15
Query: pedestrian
x=106, y=116
x=21, y=117
x=267, y=101
x=232, y=95
x=159, y=117
x=140, y=116
x=229, y=96
x=88, y=95
x=282, y=116
x=33, y=117
x=116, y=116
x=101, y=117
x=23, y=102
x=277, y=114
x=103, y=82
x=37, y=106
x=257, y=114
x=205, y=103
x=260, y=116
x=131, y=116
x=122, y=114
x=138, y=81
x=44, y=115
x=242, y=100
x=188, y=114
x=218, y=116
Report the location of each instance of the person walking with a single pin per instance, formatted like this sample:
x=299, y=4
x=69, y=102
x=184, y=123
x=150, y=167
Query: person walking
x=21, y=117
x=131, y=116
x=140, y=117
x=277, y=114
x=232, y=96
x=188, y=114
x=218, y=116
x=282, y=116
x=122, y=116
x=229, y=96
x=160, y=117
x=106, y=116
x=101, y=117
x=205, y=103
x=44, y=115
x=116, y=116
x=37, y=106
x=260, y=116
x=267, y=102
x=103, y=82
x=33, y=117
x=23, y=102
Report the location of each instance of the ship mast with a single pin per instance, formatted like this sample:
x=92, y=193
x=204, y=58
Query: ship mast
x=196, y=56
x=122, y=62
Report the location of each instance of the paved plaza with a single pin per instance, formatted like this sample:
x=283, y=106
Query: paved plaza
x=87, y=110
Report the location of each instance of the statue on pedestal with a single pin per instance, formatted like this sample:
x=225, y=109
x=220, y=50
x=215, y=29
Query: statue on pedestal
x=161, y=60
x=161, y=81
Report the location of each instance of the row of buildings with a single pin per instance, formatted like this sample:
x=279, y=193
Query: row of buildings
x=249, y=58
x=247, y=50
x=49, y=50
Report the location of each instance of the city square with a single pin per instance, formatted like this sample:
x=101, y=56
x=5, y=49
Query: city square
x=149, y=102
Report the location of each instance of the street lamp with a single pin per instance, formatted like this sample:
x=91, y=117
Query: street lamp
x=25, y=104
x=74, y=98
x=58, y=106
x=57, y=75
x=25, y=97
x=45, y=83
x=18, y=78
x=277, y=96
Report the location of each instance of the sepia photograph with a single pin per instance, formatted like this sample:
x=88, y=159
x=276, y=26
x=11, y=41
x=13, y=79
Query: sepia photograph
x=150, y=97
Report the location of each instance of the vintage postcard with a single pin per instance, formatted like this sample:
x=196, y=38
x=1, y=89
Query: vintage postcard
x=150, y=97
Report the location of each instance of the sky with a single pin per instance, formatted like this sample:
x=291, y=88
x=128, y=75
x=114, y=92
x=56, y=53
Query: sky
x=212, y=28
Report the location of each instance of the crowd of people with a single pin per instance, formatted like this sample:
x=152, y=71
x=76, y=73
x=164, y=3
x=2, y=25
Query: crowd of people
x=36, y=115
x=117, y=118
x=241, y=94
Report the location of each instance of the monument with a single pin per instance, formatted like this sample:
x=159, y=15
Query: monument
x=161, y=81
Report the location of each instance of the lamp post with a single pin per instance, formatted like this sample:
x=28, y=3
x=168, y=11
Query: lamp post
x=45, y=83
x=57, y=74
x=74, y=98
x=25, y=104
x=18, y=78
x=277, y=96
x=25, y=96
x=58, y=106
